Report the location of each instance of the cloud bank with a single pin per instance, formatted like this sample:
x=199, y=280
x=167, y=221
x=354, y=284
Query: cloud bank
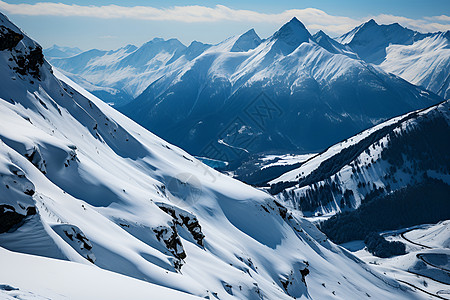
x=314, y=19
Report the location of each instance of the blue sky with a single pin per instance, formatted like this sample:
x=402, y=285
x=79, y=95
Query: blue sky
x=112, y=24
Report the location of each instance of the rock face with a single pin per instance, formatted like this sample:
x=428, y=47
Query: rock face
x=77, y=239
x=29, y=63
x=185, y=219
x=169, y=236
x=9, y=217
x=26, y=58
x=16, y=197
x=9, y=38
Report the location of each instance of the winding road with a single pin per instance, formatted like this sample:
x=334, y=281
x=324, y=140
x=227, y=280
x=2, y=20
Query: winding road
x=421, y=257
x=412, y=242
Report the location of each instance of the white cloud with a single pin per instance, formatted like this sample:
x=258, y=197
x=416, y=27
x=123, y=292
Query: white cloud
x=427, y=24
x=314, y=19
x=442, y=18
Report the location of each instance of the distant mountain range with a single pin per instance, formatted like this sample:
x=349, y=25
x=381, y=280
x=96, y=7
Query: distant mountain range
x=56, y=51
x=422, y=59
x=292, y=92
x=396, y=49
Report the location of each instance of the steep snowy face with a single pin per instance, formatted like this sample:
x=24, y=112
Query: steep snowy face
x=370, y=40
x=322, y=39
x=425, y=63
x=247, y=41
x=396, y=156
x=290, y=36
x=81, y=182
x=288, y=94
x=422, y=59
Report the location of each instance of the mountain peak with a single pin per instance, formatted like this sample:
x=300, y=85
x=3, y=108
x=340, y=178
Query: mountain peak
x=321, y=37
x=293, y=33
x=247, y=41
x=294, y=24
x=320, y=34
x=371, y=22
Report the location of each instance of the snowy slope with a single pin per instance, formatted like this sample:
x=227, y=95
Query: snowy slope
x=422, y=59
x=434, y=236
x=333, y=46
x=370, y=40
x=426, y=262
x=83, y=183
x=35, y=277
x=289, y=94
x=425, y=63
x=393, y=155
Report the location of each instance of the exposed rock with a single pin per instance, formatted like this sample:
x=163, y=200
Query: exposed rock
x=281, y=209
x=9, y=38
x=35, y=157
x=30, y=63
x=28, y=60
x=76, y=239
x=9, y=217
x=169, y=236
x=183, y=218
x=304, y=272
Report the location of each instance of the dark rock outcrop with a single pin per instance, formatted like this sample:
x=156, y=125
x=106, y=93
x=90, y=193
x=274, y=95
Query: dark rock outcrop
x=9, y=38
x=9, y=217
x=169, y=236
x=185, y=219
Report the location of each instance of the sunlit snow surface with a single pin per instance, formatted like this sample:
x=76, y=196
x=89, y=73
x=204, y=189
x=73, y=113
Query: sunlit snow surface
x=427, y=262
x=108, y=191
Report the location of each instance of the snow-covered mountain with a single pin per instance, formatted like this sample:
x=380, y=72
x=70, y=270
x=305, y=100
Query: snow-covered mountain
x=333, y=46
x=370, y=40
x=120, y=75
x=80, y=182
x=287, y=94
x=247, y=95
x=395, y=157
x=425, y=63
x=422, y=59
x=56, y=51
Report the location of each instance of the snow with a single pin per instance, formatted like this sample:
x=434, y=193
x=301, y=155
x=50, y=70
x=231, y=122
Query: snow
x=422, y=59
x=358, y=165
x=58, y=51
x=34, y=277
x=128, y=69
x=314, y=162
x=247, y=41
x=119, y=207
x=285, y=159
x=414, y=267
x=425, y=63
x=436, y=236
